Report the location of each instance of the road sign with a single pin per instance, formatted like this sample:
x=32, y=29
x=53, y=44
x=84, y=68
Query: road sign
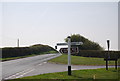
x=76, y=43
x=72, y=43
x=63, y=50
x=74, y=50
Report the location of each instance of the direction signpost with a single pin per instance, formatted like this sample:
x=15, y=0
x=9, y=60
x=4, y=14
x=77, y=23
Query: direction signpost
x=108, y=58
x=108, y=55
x=69, y=51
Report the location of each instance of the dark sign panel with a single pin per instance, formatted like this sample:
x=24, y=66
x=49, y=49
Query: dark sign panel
x=73, y=50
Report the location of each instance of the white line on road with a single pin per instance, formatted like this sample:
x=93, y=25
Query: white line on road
x=22, y=73
x=25, y=73
x=42, y=63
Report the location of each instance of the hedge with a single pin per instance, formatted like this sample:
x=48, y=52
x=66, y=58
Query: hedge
x=23, y=51
x=99, y=54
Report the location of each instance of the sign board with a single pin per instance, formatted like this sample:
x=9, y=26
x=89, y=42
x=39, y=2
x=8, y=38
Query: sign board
x=72, y=43
x=63, y=50
x=76, y=43
x=73, y=50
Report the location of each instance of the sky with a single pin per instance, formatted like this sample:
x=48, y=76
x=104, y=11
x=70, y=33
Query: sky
x=51, y=22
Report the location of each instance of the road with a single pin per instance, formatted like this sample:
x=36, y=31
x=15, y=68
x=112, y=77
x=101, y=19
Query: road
x=12, y=67
x=36, y=65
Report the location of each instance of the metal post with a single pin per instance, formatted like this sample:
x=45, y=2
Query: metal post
x=108, y=56
x=106, y=64
x=115, y=64
x=108, y=43
x=69, y=55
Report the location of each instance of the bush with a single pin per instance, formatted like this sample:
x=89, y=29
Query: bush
x=87, y=44
x=23, y=51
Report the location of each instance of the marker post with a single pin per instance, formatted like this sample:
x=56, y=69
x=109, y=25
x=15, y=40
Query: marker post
x=107, y=56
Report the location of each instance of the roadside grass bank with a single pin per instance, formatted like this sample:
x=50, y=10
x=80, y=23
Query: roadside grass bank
x=85, y=75
x=78, y=60
x=13, y=58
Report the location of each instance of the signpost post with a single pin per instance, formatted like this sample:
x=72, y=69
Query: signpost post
x=107, y=57
x=69, y=51
x=108, y=43
x=69, y=56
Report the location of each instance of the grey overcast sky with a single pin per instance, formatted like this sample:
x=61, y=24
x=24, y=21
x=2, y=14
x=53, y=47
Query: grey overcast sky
x=50, y=22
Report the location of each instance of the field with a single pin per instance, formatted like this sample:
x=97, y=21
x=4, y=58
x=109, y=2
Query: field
x=77, y=60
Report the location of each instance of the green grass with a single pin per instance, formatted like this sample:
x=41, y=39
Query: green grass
x=77, y=60
x=13, y=58
x=80, y=74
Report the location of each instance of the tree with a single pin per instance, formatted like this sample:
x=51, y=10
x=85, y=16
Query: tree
x=87, y=44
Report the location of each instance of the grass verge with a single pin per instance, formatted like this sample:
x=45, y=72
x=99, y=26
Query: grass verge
x=77, y=60
x=88, y=75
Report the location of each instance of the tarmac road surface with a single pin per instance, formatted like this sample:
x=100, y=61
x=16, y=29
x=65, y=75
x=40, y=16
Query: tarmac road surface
x=13, y=67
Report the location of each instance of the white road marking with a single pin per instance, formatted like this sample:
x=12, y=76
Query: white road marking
x=44, y=62
x=39, y=64
x=14, y=75
x=20, y=74
x=25, y=73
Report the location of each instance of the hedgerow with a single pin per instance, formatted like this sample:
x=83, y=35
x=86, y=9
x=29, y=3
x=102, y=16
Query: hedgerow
x=23, y=51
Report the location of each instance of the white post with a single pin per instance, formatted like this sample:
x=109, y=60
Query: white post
x=69, y=55
x=69, y=43
x=18, y=43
